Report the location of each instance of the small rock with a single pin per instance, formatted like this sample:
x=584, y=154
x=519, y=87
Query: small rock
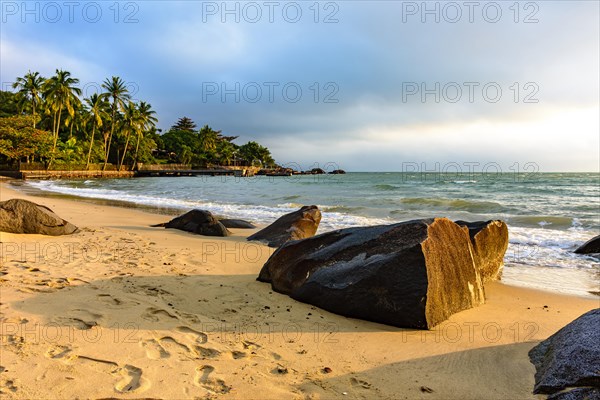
x=281, y=370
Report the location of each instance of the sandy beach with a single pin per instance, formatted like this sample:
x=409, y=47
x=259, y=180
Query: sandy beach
x=123, y=310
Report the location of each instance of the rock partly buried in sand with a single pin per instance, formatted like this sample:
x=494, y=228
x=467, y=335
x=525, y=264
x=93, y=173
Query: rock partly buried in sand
x=490, y=241
x=413, y=274
x=592, y=246
x=237, y=223
x=569, y=359
x=201, y=222
x=22, y=216
x=299, y=224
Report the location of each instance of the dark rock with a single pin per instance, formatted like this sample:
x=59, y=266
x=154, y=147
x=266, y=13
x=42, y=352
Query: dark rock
x=299, y=224
x=570, y=357
x=587, y=393
x=200, y=222
x=490, y=241
x=338, y=172
x=592, y=246
x=23, y=216
x=412, y=274
x=237, y=223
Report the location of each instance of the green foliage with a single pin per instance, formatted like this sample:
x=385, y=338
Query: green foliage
x=254, y=153
x=47, y=120
x=8, y=104
x=29, y=92
x=184, y=124
x=18, y=139
x=70, y=151
x=207, y=147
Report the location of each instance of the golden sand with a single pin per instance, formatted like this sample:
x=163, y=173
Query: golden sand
x=123, y=310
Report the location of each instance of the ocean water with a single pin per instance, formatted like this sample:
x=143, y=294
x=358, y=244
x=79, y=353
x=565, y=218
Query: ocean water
x=548, y=214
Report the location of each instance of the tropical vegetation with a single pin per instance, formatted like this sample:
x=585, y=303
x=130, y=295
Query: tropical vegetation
x=49, y=121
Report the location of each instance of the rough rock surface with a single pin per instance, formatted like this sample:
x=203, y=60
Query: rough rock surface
x=587, y=393
x=23, y=216
x=490, y=241
x=236, y=223
x=300, y=224
x=592, y=246
x=412, y=274
x=201, y=222
x=570, y=358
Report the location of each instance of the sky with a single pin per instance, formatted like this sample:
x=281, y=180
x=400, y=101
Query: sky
x=364, y=85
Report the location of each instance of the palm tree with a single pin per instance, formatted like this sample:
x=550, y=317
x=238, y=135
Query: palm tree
x=118, y=92
x=131, y=124
x=147, y=122
x=60, y=92
x=30, y=87
x=74, y=120
x=96, y=113
x=208, y=139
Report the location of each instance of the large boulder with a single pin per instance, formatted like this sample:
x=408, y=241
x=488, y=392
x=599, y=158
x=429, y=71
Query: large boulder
x=23, y=216
x=570, y=359
x=412, y=274
x=592, y=246
x=300, y=224
x=201, y=222
x=490, y=241
x=237, y=223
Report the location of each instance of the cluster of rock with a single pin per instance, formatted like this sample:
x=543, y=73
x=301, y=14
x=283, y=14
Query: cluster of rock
x=290, y=171
x=204, y=223
x=412, y=274
x=567, y=363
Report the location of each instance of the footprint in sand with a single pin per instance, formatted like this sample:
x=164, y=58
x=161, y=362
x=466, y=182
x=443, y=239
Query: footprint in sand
x=131, y=376
x=57, y=351
x=237, y=354
x=77, y=323
x=154, y=350
x=80, y=319
x=174, y=346
x=132, y=380
x=8, y=384
x=206, y=352
x=13, y=343
x=156, y=314
x=198, y=337
x=114, y=302
x=361, y=383
x=203, y=379
x=250, y=345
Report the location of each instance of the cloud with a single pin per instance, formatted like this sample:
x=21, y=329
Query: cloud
x=371, y=59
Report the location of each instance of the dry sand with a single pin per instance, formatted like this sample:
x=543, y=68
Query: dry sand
x=122, y=310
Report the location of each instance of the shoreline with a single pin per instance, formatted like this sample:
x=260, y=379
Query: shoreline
x=122, y=309
x=582, y=282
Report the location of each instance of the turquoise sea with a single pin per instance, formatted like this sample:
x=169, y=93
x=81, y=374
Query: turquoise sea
x=548, y=214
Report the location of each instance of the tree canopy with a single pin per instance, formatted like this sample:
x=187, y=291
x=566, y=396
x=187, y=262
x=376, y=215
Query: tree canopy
x=48, y=120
